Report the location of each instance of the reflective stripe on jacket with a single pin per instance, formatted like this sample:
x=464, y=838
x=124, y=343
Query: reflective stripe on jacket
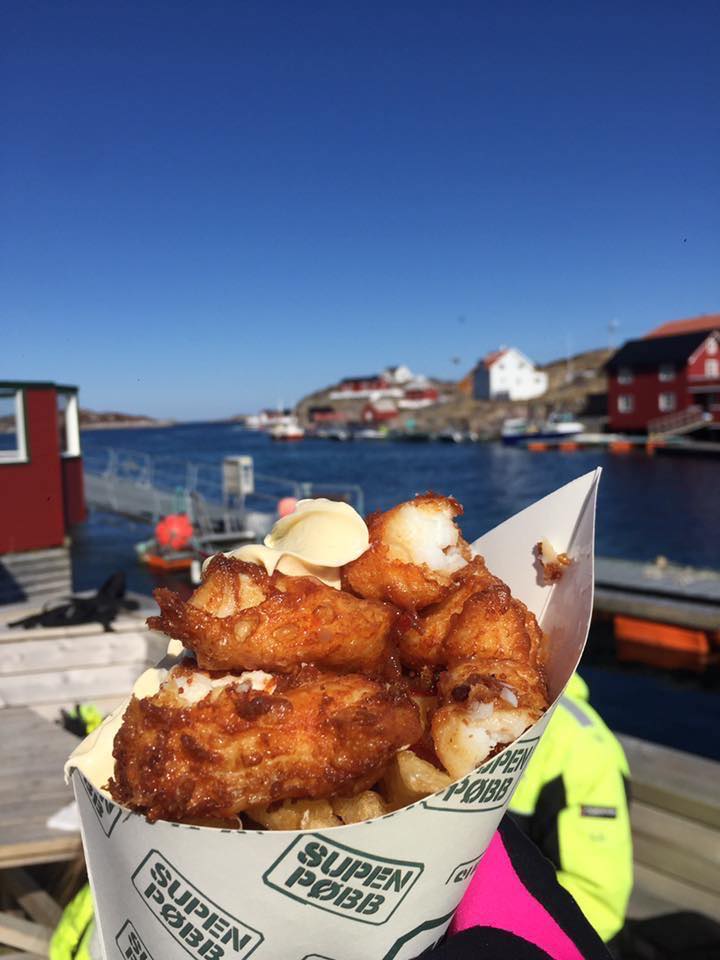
x=572, y=801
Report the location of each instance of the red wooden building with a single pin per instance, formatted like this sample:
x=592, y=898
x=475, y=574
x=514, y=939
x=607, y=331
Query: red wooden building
x=41, y=476
x=668, y=380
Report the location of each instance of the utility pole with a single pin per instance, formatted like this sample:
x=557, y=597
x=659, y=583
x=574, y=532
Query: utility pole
x=612, y=330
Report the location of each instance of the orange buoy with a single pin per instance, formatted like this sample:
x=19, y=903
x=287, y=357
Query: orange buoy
x=286, y=506
x=569, y=446
x=537, y=447
x=174, y=531
x=620, y=446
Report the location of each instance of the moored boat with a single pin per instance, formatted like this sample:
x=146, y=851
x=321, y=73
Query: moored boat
x=517, y=430
x=287, y=431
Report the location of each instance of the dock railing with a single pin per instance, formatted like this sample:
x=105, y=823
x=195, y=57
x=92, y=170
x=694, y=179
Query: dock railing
x=683, y=421
x=144, y=486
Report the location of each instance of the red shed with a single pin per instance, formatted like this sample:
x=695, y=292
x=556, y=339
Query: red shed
x=41, y=474
x=665, y=382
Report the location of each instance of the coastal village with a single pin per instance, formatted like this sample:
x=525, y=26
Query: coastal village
x=665, y=383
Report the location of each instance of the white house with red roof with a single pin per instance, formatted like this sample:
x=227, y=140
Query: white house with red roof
x=507, y=374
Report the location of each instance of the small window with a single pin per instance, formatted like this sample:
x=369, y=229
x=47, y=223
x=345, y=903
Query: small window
x=13, y=448
x=625, y=375
x=666, y=372
x=667, y=402
x=68, y=423
x=626, y=403
x=711, y=346
x=712, y=368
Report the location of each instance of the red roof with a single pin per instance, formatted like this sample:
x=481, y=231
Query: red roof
x=491, y=358
x=708, y=321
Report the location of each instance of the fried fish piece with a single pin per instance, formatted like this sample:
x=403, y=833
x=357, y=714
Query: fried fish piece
x=486, y=704
x=240, y=618
x=415, y=549
x=492, y=687
x=313, y=735
x=423, y=642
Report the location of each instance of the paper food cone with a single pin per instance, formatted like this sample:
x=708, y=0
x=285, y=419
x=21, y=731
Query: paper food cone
x=384, y=888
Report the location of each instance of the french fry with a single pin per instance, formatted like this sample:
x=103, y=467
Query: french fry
x=229, y=823
x=303, y=814
x=365, y=806
x=409, y=778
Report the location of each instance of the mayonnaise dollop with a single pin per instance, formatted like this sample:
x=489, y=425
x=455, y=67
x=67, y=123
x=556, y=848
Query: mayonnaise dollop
x=316, y=540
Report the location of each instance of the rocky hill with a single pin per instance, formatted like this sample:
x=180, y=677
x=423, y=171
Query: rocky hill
x=576, y=385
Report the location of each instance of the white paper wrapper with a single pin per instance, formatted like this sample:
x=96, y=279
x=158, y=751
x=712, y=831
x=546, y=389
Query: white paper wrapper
x=386, y=888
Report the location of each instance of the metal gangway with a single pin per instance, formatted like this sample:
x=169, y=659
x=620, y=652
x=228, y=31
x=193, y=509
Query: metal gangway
x=222, y=498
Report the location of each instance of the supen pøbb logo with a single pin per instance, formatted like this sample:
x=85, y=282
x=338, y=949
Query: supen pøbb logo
x=106, y=811
x=489, y=787
x=130, y=944
x=350, y=883
x=198, y=924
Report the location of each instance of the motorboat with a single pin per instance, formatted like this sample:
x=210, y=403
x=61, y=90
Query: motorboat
x=559, y=426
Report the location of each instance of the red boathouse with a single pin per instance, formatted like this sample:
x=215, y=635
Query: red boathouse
x=41, y=486
x=669, y=380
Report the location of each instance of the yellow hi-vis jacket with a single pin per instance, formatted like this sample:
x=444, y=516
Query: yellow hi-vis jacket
x=74, y=936
x=572, y=801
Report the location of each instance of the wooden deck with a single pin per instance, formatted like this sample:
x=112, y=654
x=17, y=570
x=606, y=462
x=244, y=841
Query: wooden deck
x=676, y=830
x=33, y=751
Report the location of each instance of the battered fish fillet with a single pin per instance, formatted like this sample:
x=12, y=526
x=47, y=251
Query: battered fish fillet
x=415, y=549
x=242, y=619
x=493, y=686
x=312, y=736
x=423, y=642
x=486, y=704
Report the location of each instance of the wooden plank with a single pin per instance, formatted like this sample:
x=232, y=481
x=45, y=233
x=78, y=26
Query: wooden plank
x=678, y=863
x=701, y=616
x=24, y=934
x=669, y=829
x=644, y=904
x=668, y=580
x=673, y=780
x=65, y=652
x=36, y=902
x=24, y=956
x=121, y=624
x=76, y=684
x=685, y=896
x=28, y=854
x=37, y=810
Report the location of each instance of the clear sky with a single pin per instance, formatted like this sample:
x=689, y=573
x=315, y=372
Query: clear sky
x=207, y=207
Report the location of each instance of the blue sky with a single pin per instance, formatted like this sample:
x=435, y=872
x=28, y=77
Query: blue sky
x=209, y=207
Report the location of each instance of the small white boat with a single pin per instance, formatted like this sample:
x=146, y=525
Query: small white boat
x=287, y=431
x=558, y=426
x=370, y=433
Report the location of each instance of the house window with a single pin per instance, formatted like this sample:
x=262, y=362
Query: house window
x=666, y=372
x=625, y=375
x=711, y=346
x=666, y=402
x=13, y=446
x=68, y=423
x=626, y=403
x=712, y=368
